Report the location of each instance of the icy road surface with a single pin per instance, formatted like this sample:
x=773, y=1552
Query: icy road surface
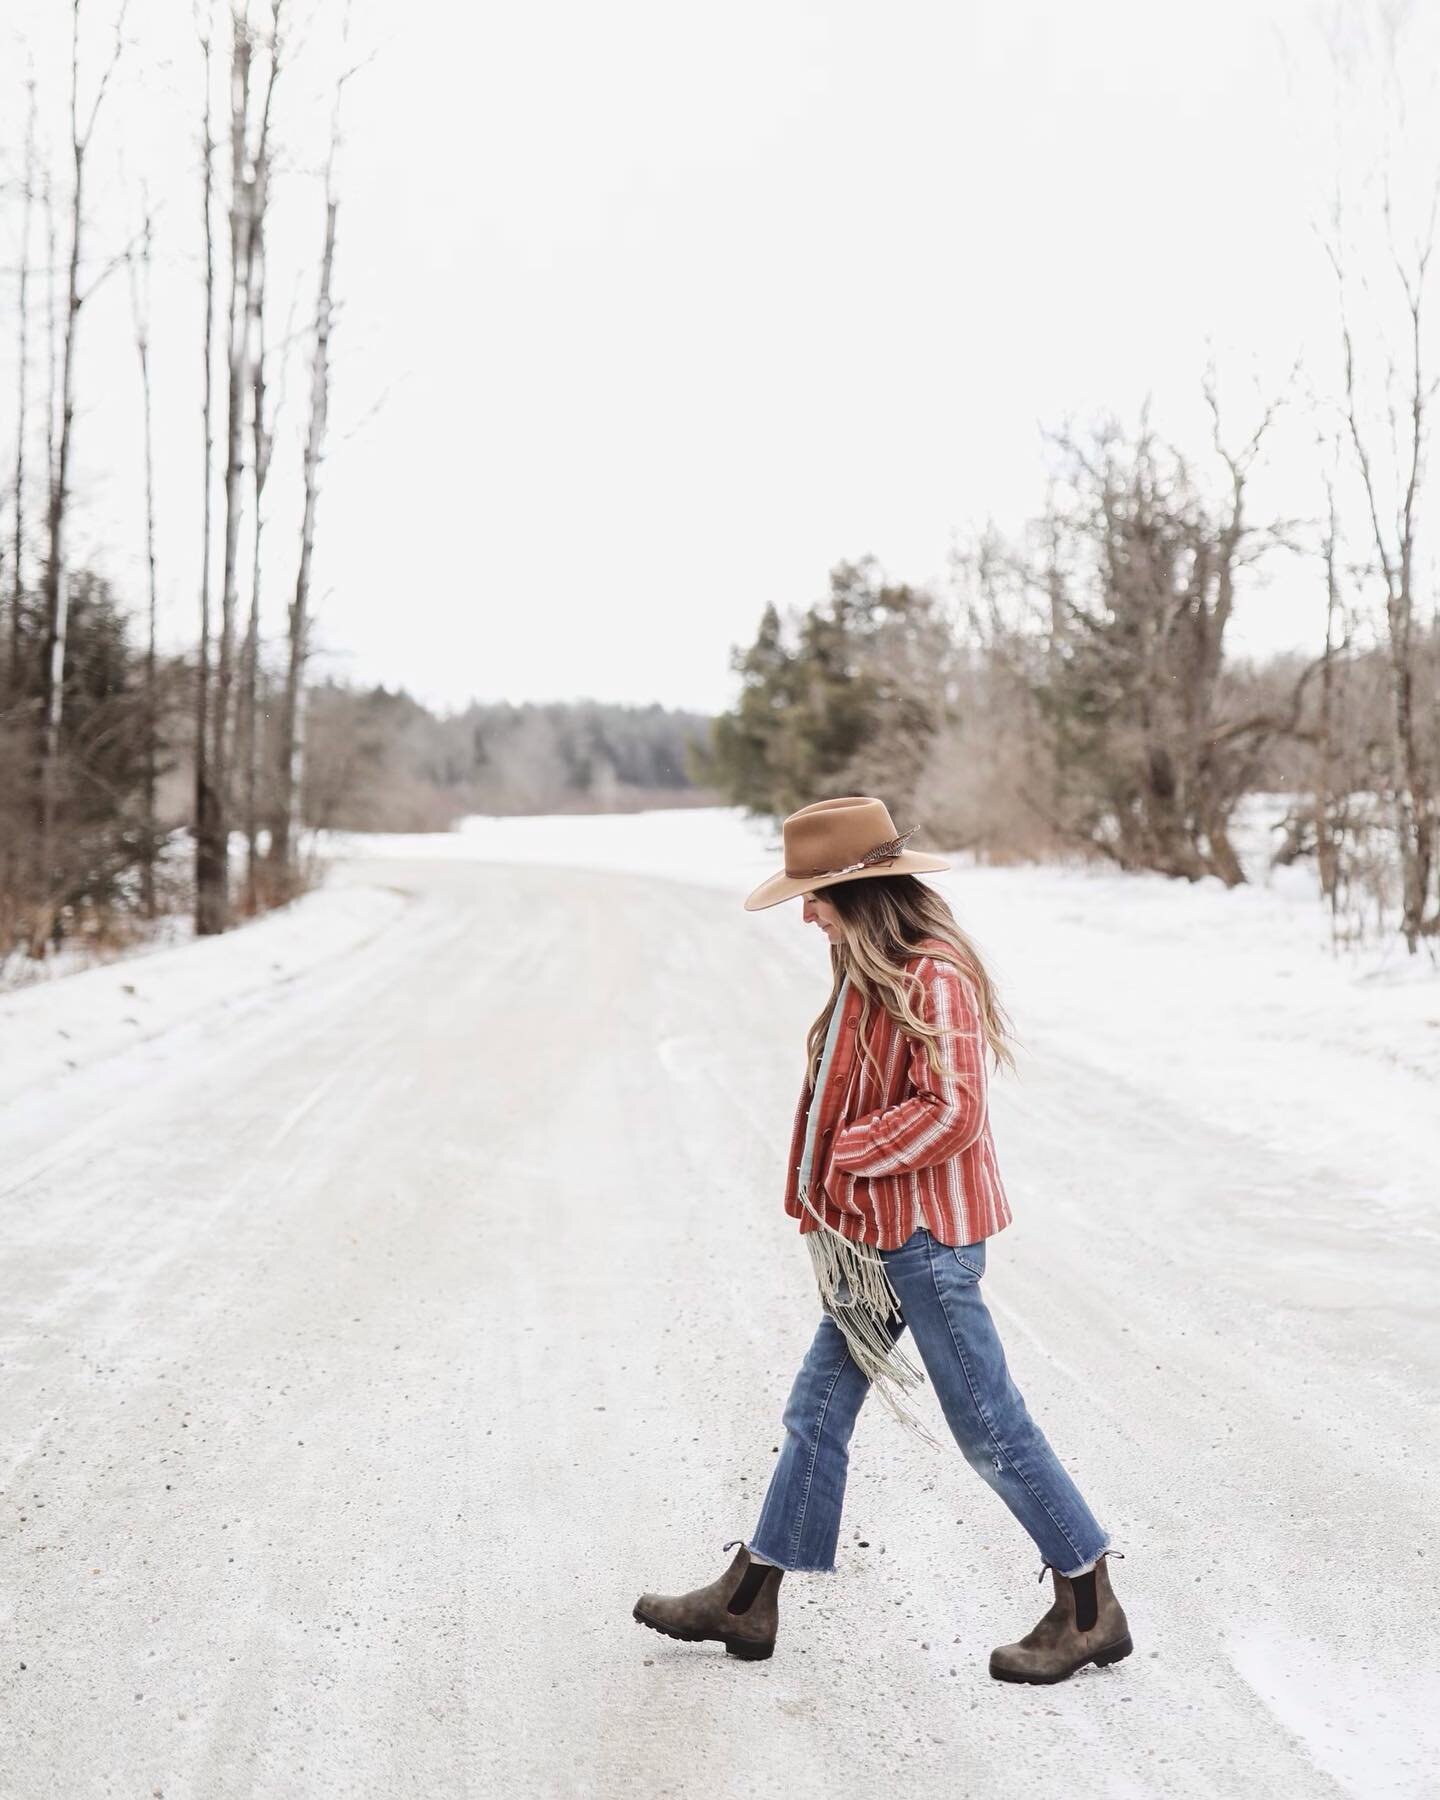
x=372, y=1336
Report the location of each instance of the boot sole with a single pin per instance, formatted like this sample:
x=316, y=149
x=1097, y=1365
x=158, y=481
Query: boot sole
x=746, y=1650
x=1112, y=1653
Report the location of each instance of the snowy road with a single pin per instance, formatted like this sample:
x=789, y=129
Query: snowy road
x=368, y=1347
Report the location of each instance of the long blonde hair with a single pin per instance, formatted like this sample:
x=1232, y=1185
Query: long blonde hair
x=885, y=920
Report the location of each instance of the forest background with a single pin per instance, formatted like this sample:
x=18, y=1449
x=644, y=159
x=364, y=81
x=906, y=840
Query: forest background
x=1070, y=687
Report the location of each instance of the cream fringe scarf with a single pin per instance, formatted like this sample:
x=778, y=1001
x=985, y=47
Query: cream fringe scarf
x=855, y=1291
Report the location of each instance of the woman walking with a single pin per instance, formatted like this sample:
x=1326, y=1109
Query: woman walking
x=893, y=1177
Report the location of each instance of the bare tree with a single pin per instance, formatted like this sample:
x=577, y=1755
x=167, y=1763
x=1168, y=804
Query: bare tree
x=52, y=364
x=57, y=573
x=208, y=878
x=212, y=864
x=249, y=170
x=1110, y=621
x=290, y=751
x=1210, y=741
x=1413, y=776
x=994, y=783
x=140, y=311
x=249, y=731
x=17, y=578
x=248, y=723
x=1324, y=801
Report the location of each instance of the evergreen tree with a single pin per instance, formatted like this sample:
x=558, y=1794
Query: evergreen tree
x=849, y=702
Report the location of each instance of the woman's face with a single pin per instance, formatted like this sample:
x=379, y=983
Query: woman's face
x=819, y=911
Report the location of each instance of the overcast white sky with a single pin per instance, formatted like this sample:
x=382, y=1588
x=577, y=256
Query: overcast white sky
x=651, y=313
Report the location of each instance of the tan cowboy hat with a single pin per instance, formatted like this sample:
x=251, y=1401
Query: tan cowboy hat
x=840, y=840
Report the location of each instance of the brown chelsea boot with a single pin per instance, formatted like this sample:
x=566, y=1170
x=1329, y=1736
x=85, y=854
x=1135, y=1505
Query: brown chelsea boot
x=1086, y=1624
x=705, y=1613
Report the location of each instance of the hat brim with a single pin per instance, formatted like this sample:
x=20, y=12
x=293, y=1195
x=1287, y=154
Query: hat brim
x=786, y=887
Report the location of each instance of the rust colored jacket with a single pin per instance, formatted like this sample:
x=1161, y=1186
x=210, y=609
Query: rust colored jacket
x=911, y=1148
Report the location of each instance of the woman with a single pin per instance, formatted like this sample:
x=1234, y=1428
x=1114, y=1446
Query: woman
x=892, y=1175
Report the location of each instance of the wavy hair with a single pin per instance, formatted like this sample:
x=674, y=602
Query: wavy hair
x=884, y=921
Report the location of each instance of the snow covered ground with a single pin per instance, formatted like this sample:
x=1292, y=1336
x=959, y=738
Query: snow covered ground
x=397, y=1287
x=93, y=1014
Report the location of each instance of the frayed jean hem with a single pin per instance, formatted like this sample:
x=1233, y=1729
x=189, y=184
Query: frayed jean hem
x=1085, y=1568
x=789, y=1568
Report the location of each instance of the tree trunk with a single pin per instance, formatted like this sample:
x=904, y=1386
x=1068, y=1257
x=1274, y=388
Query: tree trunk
x=1412, y=783
x=285, y=830
x=215, y=914
x=249, y=731
x=209, y=872
x=57, y=586
x=51, y=364
x=140, y=308
x=1326, y=849
x=17, y=582
x=1414, y=818
x=249, y=722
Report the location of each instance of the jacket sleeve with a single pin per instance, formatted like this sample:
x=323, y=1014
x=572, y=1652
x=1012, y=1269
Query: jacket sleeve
x=945, y=1113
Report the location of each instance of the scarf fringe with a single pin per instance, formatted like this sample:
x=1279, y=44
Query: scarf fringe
x=855, y=1291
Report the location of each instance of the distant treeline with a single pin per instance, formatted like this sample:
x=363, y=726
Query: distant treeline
x=377, y=760
x=123, y=792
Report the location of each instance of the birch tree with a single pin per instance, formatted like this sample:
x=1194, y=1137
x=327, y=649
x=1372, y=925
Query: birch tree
x=17, y=564
x=57, y=573
x=212, y=897
x=290, y=751
x=248, y=177
x=208, y=879
x=249, y=727
x=249, y=731
x=1326, y=800
x=140, y=311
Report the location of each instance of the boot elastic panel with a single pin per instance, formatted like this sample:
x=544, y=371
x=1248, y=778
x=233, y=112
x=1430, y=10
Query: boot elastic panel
x=1087, y=1606
x=748, y=1587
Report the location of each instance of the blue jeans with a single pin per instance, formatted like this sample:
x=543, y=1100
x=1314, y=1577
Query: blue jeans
x=938, y=1287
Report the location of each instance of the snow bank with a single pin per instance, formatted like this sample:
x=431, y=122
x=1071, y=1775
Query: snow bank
x=714, y=846
x=77, y=1020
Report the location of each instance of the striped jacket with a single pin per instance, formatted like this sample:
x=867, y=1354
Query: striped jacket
x=914, y=1149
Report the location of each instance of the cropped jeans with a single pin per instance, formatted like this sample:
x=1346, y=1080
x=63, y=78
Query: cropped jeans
x=938, y=1287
